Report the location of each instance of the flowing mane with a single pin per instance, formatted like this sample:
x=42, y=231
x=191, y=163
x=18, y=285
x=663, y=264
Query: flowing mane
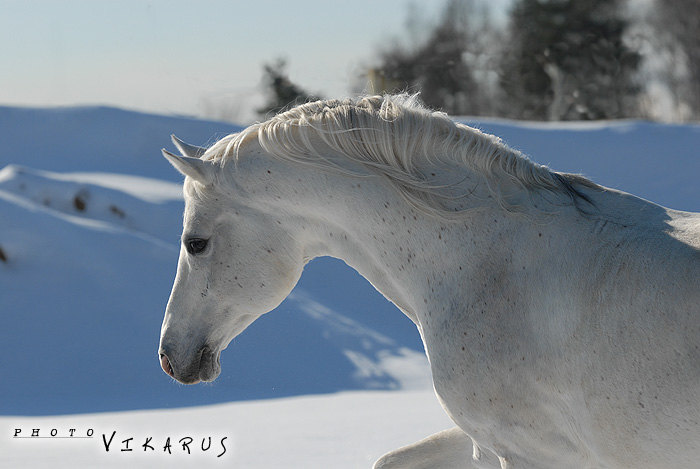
x=396, y=137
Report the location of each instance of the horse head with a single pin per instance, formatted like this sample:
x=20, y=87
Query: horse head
x=235, y=264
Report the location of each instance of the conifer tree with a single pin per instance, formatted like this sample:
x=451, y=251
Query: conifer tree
x=566, y=59
x=282, y=93
x=440, y=66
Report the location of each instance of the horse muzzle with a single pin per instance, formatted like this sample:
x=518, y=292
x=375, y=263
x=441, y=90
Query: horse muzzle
x=202, y=366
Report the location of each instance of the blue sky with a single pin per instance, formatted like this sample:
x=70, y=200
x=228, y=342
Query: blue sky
x=184, y=57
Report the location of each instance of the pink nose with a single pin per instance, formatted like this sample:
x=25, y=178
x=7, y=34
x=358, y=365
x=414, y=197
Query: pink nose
x=165, y=364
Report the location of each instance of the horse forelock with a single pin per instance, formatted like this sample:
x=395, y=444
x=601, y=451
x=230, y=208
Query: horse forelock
x=397, y=137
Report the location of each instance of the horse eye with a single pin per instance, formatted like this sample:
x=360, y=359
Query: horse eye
x=196, y=245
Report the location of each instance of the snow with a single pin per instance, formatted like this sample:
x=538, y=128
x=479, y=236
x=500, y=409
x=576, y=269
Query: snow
x=344, y=430
x=90, y=218
x=91, y=256
x=658, y=162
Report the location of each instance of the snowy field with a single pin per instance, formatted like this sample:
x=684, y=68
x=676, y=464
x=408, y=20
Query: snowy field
x=89, y=228
x=342, y=431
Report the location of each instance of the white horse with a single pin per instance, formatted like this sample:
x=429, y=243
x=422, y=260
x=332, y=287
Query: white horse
x=561, y=319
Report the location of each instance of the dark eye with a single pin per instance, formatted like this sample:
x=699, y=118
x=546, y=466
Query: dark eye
x=196, y=245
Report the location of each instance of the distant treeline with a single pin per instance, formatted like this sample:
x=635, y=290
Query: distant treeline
x=551, y=60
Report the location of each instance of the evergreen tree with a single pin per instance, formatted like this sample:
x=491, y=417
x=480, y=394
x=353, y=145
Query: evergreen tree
x=566, y=59
x=282, y=93
x=440, y=67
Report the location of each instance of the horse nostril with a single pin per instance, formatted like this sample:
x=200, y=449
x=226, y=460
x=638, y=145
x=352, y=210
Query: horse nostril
x=165, y=364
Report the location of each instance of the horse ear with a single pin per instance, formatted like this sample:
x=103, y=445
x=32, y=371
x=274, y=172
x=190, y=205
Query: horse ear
x=199, y=170
x=186, y=149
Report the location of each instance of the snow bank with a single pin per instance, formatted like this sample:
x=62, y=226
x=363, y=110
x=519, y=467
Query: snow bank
x=658, y=162
x=89, y=229
x=348, y=430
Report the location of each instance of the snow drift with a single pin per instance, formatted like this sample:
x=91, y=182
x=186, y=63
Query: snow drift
x=89, y=230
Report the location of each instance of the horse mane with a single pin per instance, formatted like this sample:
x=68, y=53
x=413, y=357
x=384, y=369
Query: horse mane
x=396, y=137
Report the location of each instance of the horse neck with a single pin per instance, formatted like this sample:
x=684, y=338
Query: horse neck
x=411, y=257
x=414, y=259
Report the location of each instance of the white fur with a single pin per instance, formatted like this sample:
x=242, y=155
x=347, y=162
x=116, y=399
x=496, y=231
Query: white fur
x=561, y=319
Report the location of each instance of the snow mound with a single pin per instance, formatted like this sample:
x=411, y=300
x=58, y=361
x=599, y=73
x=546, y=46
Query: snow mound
x=83, y=300
x=347, y=430
x=86, y=274
x=89, y=241
x=659, y=162
x=79, y=200
x=98, y=139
